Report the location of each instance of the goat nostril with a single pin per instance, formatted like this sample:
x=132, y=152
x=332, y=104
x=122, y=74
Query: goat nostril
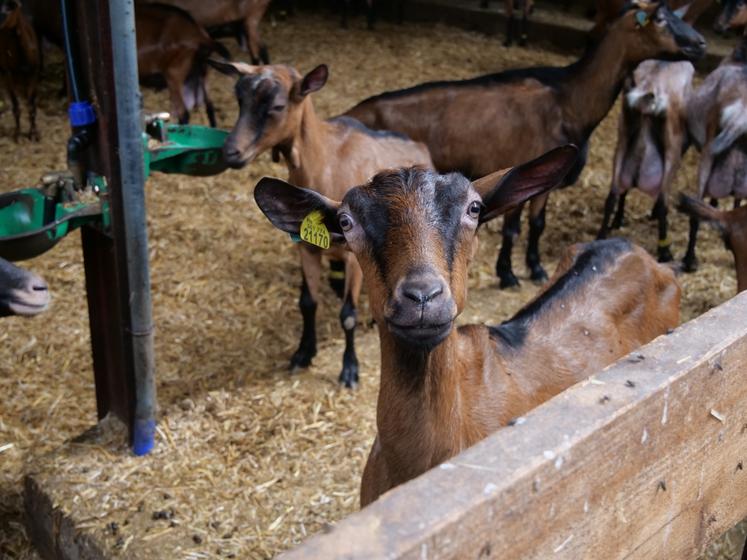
x=420, y=293
x=39, y=288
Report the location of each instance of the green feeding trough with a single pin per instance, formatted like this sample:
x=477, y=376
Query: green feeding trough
x=33, y=220
x=187, y=149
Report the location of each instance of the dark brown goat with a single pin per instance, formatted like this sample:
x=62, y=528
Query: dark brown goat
x=244, y=14
x=21, y=292
x=19, y=63
x=496, y=121
x=172, y=46
x=733, y=228
x=652, y=136
x=444, y=388
x=276, y=113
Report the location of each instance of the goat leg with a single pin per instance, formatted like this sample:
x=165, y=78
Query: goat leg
x=33, y=132
x=619, y=219
x=503, y=268
x=690, y=261
x=660, y=211
x=16, y=115
x=536, y=227
x=370, y=14
x=348, y=319
x=523, y=34
x=510, y=25
x=609, y=208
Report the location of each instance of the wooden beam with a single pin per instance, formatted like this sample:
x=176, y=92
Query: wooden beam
x=647, y=460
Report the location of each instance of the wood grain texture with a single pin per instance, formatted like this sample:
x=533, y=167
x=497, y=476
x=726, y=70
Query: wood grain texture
x=647, y=460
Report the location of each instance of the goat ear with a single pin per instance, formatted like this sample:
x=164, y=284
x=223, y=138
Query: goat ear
x=681, y=12
x=231, y=68
x=286, y=206
x=504, y=190
x=314, y=80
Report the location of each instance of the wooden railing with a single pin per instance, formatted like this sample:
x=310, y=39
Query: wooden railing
x=646, y=460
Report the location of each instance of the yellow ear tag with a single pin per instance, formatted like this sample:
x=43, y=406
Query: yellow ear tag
x=314, y=231
x=642, y=18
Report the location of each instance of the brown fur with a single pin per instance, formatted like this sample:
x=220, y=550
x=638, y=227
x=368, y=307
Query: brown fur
x=732, y=225
x=522, y=117
x=19, y=64
x=215, y=13
x=472, y=387
x=329, y=156
x=172, y=45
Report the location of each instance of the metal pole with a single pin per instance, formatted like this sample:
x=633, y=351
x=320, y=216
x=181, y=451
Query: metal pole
x=129, y=128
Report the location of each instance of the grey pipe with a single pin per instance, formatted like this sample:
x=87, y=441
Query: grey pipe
x=129, y=127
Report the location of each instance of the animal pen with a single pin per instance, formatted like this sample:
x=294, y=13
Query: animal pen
x=646, y=459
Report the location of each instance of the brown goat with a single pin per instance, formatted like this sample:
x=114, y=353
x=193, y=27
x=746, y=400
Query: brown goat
x=172, y=46
x=246, y=14
x=276, y=113
x=717, y=121
x=733, y=227
x=19, y=63
x=443, y=388
x=520, y=114
x=526, y=7
x=652, y=136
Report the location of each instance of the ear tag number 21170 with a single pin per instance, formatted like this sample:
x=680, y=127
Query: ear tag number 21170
x=314, y=231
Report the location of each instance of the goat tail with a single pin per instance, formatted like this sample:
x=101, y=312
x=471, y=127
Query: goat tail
x=220, y=48
x=699, y=209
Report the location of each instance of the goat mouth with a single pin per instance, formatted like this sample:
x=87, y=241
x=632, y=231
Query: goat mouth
x=27, y=308
x=237, y=160
x=693, y=52
x=423, y=335
x=28, y=303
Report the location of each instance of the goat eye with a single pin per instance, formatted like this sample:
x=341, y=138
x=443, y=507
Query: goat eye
x=278, y=108
x=346, y=222
x=474, y=210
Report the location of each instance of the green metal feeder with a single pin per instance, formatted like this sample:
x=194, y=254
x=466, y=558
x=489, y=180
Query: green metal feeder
x=33, y=220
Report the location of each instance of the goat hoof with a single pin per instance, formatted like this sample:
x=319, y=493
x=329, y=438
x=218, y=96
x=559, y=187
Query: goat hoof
x=538, y=275
x=301, y=359
x=665, y=255
x=508, y=280
x=601, y=235
x=523, y=42
x=349, y=376
x=689, y=265
x=617, y=224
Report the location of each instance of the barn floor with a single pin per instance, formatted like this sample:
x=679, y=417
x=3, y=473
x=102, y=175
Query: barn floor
x=249, y=460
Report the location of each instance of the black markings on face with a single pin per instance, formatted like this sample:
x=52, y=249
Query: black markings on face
x=256, y=95
x=394, y=200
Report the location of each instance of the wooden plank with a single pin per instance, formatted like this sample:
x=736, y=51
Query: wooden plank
x=648, y=460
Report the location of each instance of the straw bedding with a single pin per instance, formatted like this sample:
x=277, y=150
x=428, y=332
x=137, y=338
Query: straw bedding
x=250, y=460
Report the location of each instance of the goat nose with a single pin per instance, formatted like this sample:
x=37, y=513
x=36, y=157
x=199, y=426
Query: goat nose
x=421, y=291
